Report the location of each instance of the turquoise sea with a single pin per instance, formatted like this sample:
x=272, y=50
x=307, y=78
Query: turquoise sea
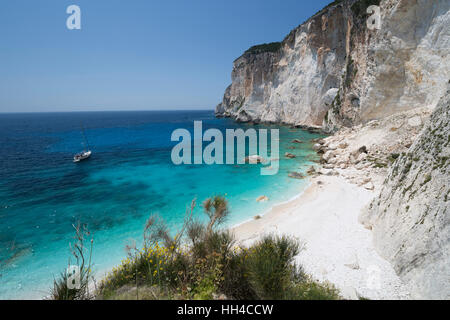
x=129, y=177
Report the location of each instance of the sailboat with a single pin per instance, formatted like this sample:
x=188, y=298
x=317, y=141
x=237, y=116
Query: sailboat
x=86, y=153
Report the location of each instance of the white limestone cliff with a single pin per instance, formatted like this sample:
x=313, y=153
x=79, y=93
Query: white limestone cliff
x=333, y=71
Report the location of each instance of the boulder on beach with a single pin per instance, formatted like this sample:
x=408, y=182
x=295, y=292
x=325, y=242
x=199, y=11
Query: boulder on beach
x=311, y=170
x=363, y=149
x=369, y=186
x=361, y=157
x=316, y=147
x=359, y=151
x=328, y=155
x=328, y=172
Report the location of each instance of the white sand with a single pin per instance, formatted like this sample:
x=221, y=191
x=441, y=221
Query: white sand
x=337, y=248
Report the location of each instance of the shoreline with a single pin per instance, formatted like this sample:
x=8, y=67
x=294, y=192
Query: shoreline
x=273, y=207
x=337, y=248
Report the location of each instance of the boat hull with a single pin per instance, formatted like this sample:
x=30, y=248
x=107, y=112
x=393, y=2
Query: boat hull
x=82, y=156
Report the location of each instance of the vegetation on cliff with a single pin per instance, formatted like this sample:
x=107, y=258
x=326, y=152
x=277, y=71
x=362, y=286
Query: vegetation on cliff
x=263, y=48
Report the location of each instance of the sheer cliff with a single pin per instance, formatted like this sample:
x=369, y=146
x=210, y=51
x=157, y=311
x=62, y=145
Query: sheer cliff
x=334, y=71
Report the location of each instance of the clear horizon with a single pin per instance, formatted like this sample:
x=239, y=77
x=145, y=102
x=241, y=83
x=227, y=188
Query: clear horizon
x=143, y=56
x=106, y=110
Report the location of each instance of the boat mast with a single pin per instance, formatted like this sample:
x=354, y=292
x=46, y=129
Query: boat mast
x=86, y=142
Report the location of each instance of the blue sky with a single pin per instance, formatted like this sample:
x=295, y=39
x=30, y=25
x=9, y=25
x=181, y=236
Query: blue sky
x=132, y=55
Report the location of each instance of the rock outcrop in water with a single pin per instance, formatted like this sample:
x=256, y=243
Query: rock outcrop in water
x=410, y=218
x=333, y=71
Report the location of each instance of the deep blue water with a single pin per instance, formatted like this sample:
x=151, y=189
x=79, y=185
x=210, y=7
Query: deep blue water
x=129, y=177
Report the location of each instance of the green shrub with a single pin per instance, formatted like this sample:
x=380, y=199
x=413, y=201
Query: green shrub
x=271, y=268
x=211, y=265
x=236, y=283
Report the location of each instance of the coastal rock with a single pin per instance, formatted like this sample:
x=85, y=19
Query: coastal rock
x=289, y=155
x=369, y=186
x=296, y=175
x=328, y=172
x=297, y=141
x=332, y=146
x=357, y=152
x=316, y=147
x=311, y=170
x=328, y=155
x=333, y=161
x=362, y=150
x=361, y=157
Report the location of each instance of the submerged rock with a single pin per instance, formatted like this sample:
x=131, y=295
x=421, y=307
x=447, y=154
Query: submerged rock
x=296, y=175
x=290, y=155
x=255, y=159
x=262, y=199
x=311, y=170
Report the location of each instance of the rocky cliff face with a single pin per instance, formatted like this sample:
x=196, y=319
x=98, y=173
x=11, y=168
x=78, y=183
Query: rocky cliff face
x=333, y=71
x=411, y=217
